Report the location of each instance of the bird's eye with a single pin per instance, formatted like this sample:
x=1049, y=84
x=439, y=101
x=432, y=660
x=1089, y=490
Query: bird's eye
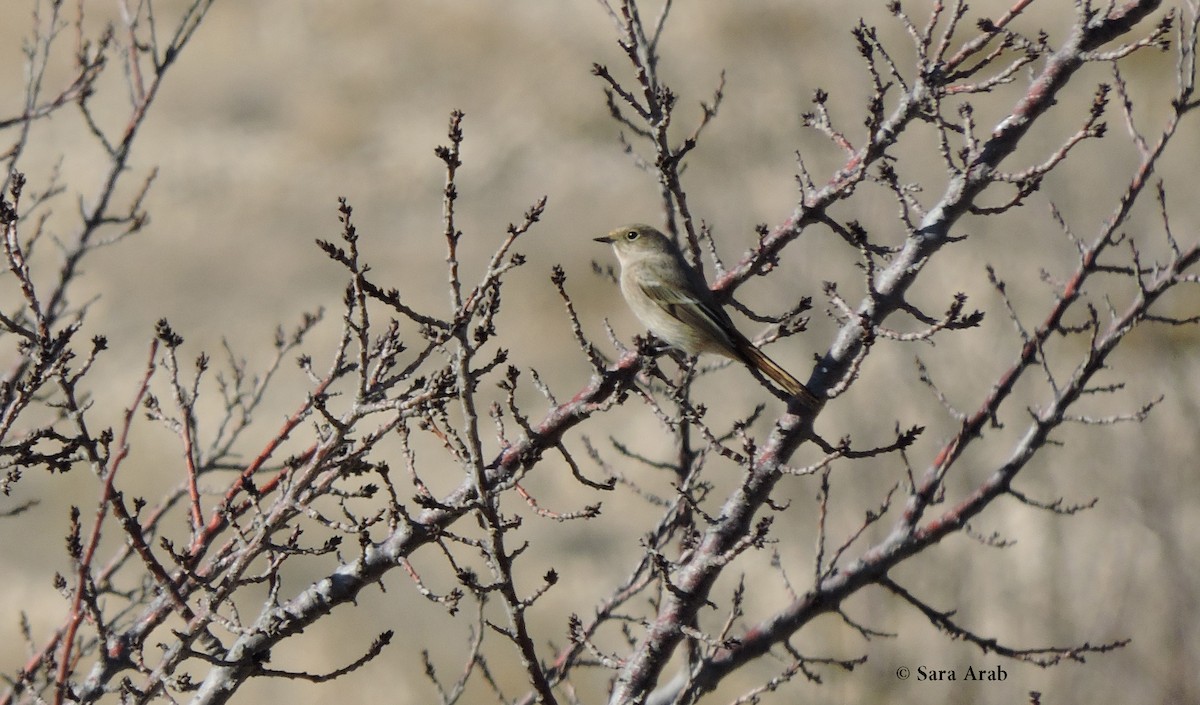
x=631, y=235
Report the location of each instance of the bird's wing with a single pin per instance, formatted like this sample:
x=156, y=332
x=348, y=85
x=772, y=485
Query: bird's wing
x=707, y=316
x=690, y=309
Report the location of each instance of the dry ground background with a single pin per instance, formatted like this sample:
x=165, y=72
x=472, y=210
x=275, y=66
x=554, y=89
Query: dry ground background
x=280, y=106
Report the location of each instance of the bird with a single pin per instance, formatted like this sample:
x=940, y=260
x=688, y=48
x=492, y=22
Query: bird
x=672, y=299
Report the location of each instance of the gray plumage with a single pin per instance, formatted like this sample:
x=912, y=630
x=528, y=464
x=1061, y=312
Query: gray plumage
x=673, y=301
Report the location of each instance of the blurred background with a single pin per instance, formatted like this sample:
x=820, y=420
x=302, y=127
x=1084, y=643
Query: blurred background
x=280, y=106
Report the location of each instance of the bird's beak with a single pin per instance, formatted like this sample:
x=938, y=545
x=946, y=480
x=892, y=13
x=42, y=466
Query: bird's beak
x=607, y=239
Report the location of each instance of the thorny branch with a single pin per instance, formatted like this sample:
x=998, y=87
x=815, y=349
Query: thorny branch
x=976, y=169
x=141, y=621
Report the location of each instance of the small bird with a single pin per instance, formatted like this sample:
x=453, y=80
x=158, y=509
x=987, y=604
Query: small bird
x=673, y=301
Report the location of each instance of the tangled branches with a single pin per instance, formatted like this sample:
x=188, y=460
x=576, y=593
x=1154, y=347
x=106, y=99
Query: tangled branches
x=349, y=488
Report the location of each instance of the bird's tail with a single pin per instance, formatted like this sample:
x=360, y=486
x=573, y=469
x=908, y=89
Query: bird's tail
x=758, y=360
